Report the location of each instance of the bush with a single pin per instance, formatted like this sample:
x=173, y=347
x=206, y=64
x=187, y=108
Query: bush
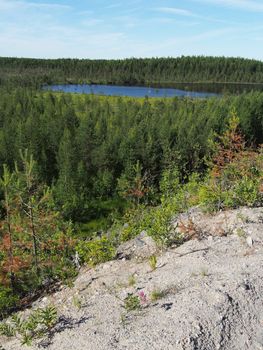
x=7, y=301
x=237, y=184
x=132, y=302
x=96, y=251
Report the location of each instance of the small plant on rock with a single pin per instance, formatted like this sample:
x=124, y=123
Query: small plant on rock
x=77, y=302
x=131, y=280
x=153, y=262
x=37, y=325
x=135, y=302
x=156, y=295
x=204, y=272
x=132, y=302
x=142, y=297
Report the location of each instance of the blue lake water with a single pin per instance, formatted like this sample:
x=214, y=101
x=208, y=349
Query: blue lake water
x=131, y=91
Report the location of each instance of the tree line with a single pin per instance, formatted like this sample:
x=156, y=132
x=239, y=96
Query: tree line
x=133, y=71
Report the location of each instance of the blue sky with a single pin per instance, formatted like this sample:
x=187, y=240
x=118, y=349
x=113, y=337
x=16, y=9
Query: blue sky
x=135, y=28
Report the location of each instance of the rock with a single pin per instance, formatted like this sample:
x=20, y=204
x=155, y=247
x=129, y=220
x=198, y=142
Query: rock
x=141, y=247
x=249, y=241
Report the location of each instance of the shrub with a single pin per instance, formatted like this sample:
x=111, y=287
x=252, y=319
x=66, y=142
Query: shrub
x=237, y=184
x=7, y=301
x=37, y=325
x=96, y=251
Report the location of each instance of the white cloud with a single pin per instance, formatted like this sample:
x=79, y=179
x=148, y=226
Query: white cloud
x=169, y=20
x=6, y=5
x=186, y=13
x=46, y=6
x=248, y=5
x=175, y=11
x=211, y=34
x=64, y=43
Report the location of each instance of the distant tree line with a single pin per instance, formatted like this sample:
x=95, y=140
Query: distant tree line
x=133, y=71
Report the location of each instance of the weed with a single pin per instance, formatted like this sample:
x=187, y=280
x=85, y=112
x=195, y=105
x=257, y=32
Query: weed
x=241, y=232
x=243, y=218
x=204, y=272
x=77, y=302
x=132, y=302
x=123, y=319
x=156, y=295
x=142, y=297
x=37, y=325
x=131, y=280
x=153, y=262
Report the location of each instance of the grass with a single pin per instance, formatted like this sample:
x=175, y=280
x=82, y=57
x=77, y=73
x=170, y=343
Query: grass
x=153, y=262
x=131, y=281
x=157, y=294
x=241, y=232
x=204, y=272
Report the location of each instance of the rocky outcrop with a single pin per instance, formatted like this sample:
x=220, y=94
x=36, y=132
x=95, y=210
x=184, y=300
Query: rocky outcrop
x=204, y=295
x=140, y=248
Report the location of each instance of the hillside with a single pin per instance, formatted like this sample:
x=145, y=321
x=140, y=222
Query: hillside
x=204, y=294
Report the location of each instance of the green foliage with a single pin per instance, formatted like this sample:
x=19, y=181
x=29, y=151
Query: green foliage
x=157, y=220
x=131, y=281
x=133, y=71
x=133, y=221
x=156, y=295
x=38, y=324
x=96, y=251
x=48, y=317
x=36, y=244
x=71, y=157
x=87, y=148
x=170, y=182
x=132, y=302
x=153, y=262
x=7, y=301
x=236, y=178
x=238, y=184
x=77, y=302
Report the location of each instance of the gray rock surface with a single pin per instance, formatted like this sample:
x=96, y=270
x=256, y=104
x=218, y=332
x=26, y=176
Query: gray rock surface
x=140, y=248
x=212, y=290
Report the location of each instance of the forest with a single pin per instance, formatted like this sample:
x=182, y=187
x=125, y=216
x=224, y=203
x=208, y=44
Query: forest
x=76, y=168
x=134, y=71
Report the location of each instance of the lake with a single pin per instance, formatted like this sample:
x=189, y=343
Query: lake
x=131, y=91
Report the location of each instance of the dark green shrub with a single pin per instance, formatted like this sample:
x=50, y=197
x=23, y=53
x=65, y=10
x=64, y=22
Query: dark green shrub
x=7, y=301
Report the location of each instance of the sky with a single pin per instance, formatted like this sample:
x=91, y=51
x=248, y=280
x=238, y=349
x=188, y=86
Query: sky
x=133, y=28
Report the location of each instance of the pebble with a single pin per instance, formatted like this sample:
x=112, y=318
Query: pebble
x=249, y=241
